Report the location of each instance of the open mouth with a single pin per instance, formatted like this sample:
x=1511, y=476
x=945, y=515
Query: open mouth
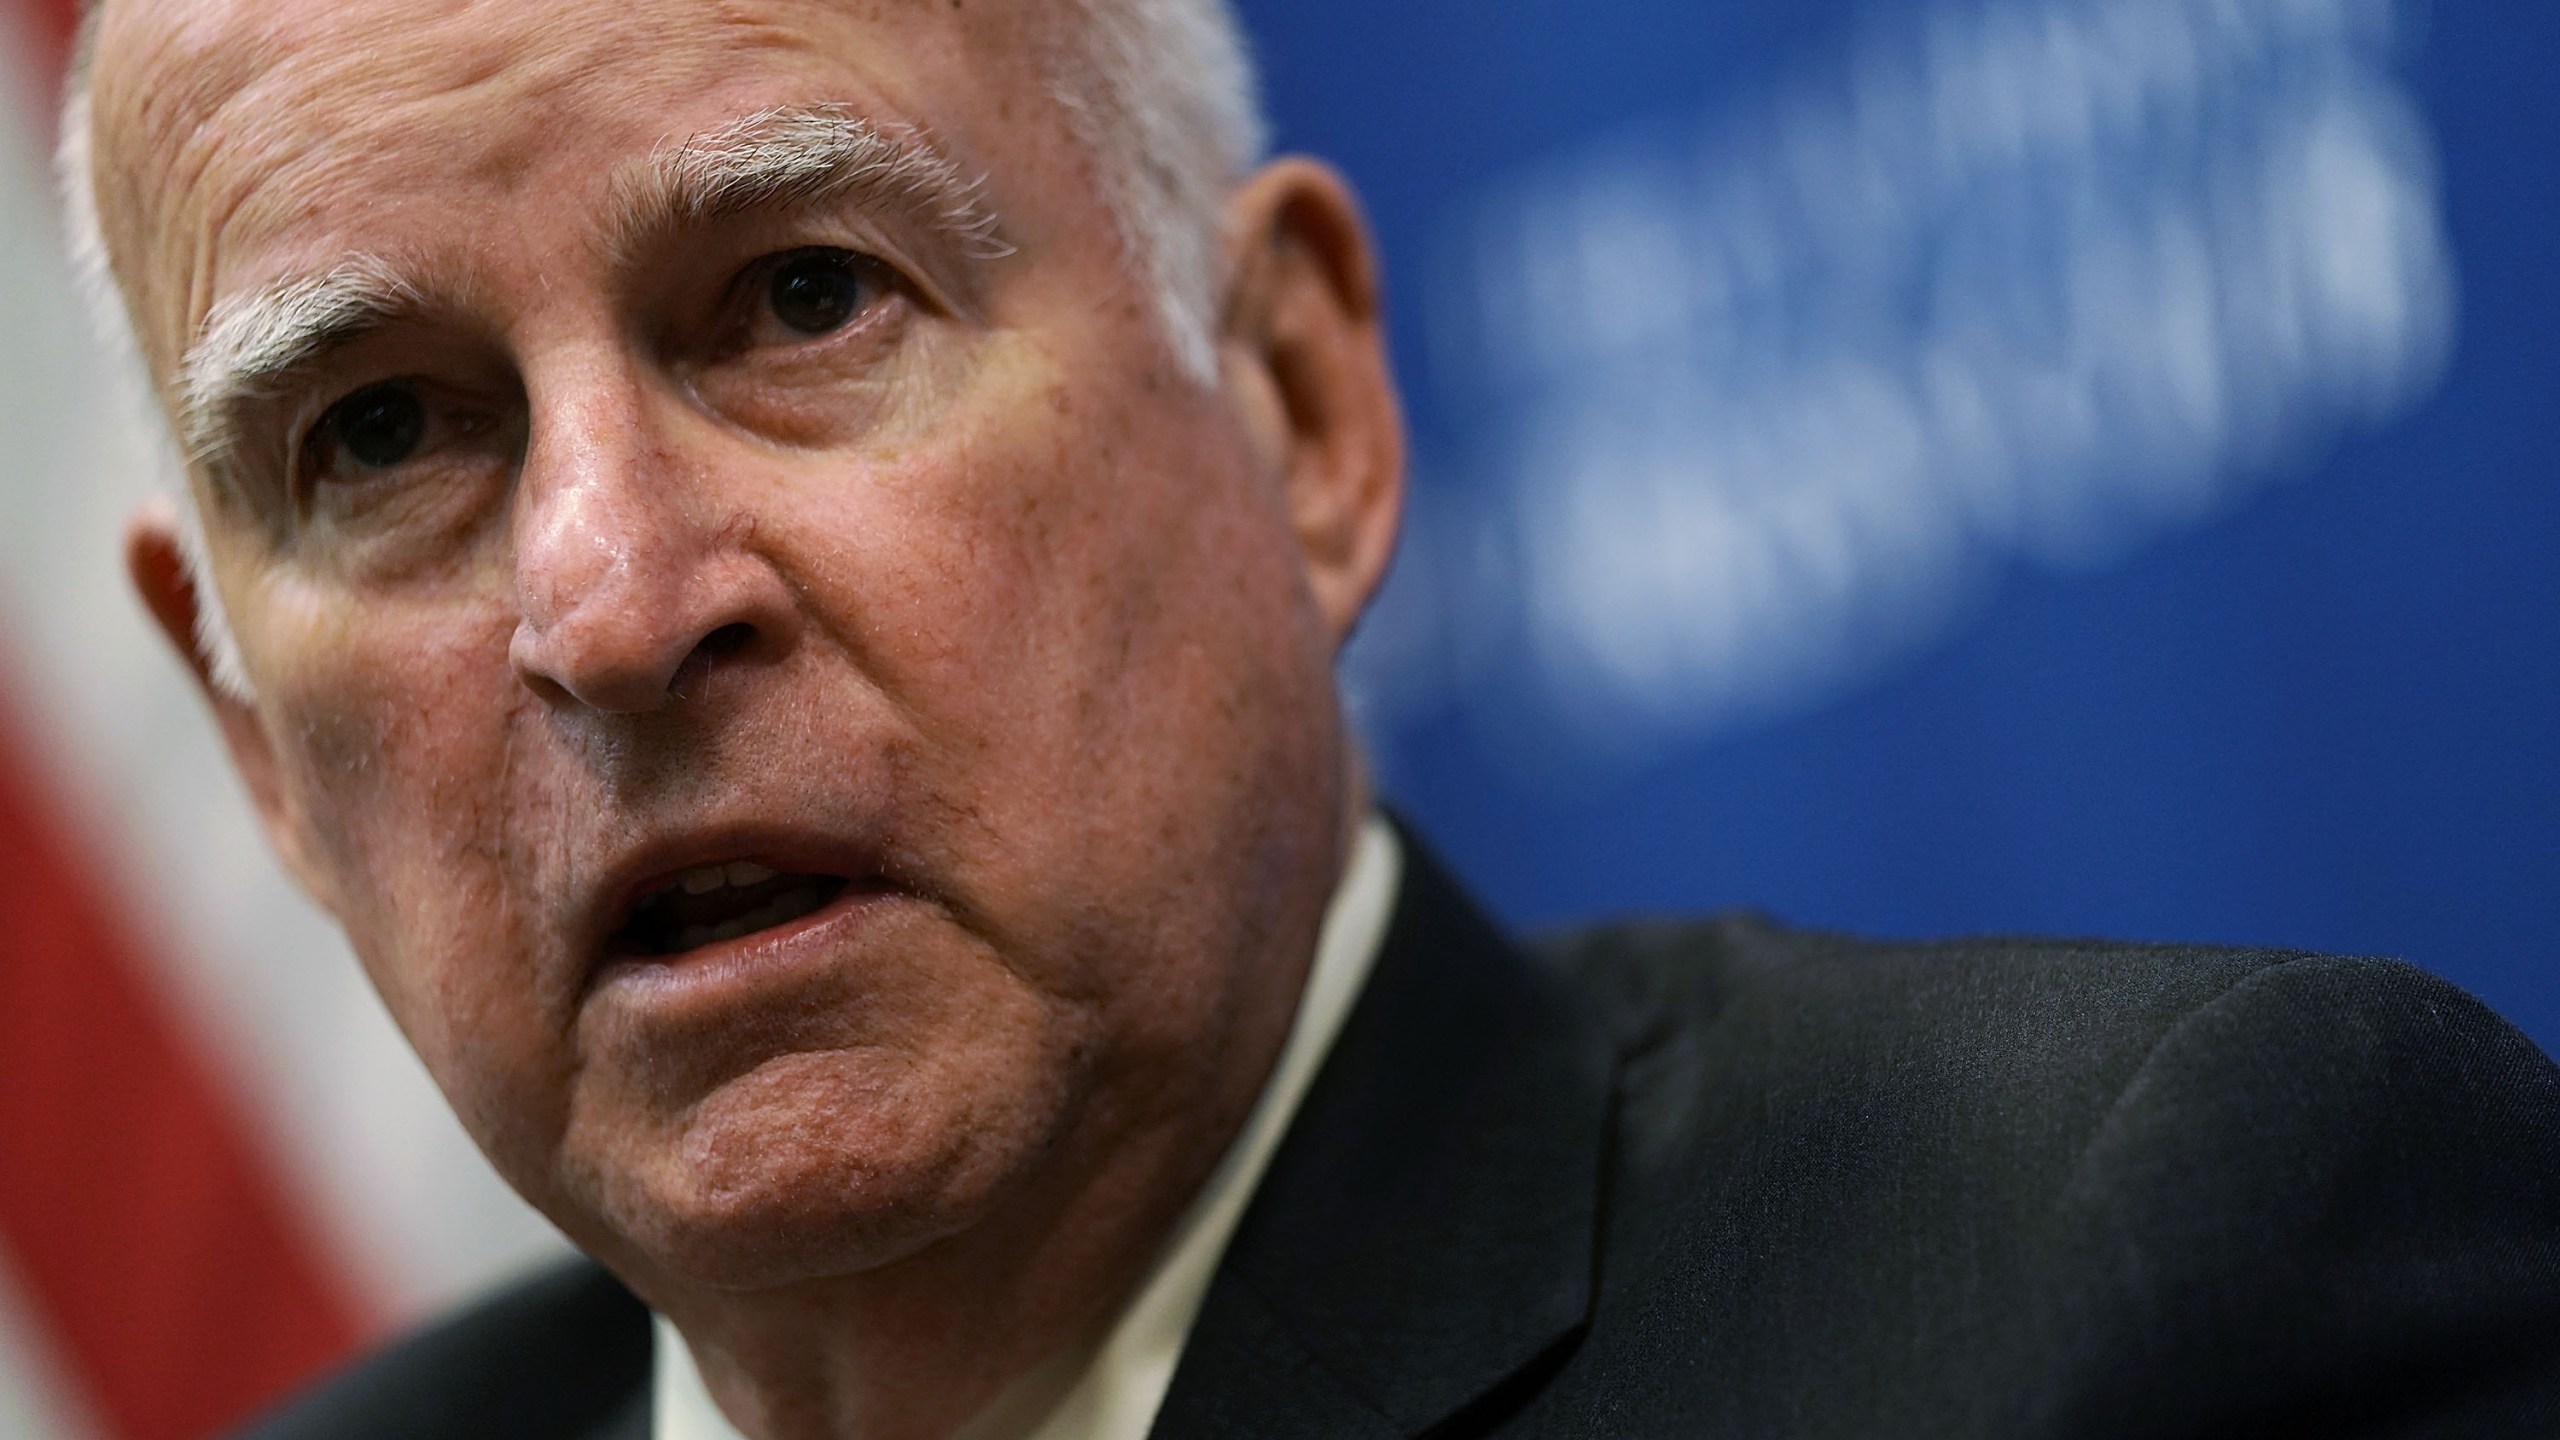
x=710, y=904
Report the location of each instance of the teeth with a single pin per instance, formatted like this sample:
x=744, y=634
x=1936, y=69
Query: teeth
x=703, y=879
x=659, y=927
x=790, y=905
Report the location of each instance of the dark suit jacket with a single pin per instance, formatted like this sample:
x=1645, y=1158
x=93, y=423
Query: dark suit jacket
x=1734, y=1180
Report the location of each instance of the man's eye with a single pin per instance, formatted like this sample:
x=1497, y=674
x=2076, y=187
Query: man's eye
x=377, y=427
x=817, y=291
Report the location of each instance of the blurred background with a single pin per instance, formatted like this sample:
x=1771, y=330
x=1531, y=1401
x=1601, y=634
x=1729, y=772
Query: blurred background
x=1943, y=465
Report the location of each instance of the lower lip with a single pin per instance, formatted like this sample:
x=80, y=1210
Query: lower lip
x=750, y=960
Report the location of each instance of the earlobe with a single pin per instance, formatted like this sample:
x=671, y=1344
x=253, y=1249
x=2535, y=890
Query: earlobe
x=1308, y=362
x=156, y=561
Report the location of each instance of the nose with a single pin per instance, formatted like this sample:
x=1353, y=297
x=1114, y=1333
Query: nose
x=637, y=570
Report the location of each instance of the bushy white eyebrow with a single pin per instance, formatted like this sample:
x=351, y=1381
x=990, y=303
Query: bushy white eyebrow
x=252, y=342
x=802, y=155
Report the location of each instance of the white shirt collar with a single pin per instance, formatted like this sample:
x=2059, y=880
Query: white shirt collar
x=1110, y=1390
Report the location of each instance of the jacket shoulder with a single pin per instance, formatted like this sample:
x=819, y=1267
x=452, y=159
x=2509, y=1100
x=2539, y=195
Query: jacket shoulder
x=1652, y=979
x=2016, y=1050
x=2066, y=1018
x=2082, y=1188
x=559, y=1354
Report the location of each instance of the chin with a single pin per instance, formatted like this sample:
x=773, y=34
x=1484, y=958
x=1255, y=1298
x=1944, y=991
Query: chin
x=811, y=1168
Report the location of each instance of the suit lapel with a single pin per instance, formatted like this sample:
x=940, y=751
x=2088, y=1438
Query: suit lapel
x=1429, y=1226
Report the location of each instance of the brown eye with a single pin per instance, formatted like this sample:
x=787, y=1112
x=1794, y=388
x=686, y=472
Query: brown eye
x=377, y=427
x=817, y=291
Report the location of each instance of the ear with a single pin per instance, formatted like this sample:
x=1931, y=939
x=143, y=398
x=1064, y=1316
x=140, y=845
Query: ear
x=155, y=559
x=1305, y=354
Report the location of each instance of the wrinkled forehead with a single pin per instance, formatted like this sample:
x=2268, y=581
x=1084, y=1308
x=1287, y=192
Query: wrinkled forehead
x=236, y=135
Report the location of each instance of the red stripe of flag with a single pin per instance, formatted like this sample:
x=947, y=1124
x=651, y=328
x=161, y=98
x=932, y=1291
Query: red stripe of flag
x=157, y=1245
x=50, y=26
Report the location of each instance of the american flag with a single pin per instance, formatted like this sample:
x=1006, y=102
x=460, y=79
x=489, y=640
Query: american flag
x=220, y=1170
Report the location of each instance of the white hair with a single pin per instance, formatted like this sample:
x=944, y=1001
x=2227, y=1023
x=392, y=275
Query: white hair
x=1163, y=92
x=217, y=646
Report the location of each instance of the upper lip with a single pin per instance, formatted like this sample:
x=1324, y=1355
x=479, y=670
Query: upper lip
x=650, y=867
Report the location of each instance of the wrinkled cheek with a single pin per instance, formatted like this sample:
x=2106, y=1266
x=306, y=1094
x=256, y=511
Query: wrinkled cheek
x=399, y=742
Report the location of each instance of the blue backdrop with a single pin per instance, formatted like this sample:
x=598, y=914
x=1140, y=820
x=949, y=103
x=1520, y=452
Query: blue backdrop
x=2036, y=465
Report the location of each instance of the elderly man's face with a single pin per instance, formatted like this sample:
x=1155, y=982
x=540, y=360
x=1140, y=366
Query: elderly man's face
x=811, y=720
